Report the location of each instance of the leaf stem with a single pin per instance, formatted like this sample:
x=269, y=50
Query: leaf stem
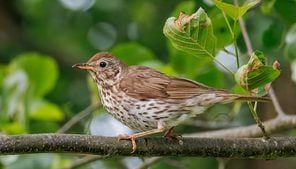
x=235, y=45
x=257, y=119
x=236, y=53
x=228, y=24
x=232, y=36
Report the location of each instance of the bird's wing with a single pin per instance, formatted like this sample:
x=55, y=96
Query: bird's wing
x=180, y=88
x=143, y=82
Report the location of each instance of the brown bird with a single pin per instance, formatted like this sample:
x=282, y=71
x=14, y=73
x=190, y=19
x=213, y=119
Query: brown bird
x=149, y=101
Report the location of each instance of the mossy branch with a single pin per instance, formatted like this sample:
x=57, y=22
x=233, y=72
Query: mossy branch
x=203, y=147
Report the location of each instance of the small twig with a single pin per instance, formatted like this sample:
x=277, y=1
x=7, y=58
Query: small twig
x=75, y=119
x=149, y=162
x=85, y=160
x=275, y=103
x=235, y=45
x=245, y=33
x=246, y=37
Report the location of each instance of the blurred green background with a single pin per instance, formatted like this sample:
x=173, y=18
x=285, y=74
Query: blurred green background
x=41, y=39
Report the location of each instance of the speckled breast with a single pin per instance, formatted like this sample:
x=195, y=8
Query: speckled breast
x=145, y=114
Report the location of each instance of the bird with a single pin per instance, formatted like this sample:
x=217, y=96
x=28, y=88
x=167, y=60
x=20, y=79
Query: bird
x=149, y=101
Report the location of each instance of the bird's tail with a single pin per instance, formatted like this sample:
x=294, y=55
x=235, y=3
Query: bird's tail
x=253, y=98
x=238, y=97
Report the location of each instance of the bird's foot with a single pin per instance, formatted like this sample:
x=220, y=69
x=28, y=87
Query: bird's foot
x=132, y=138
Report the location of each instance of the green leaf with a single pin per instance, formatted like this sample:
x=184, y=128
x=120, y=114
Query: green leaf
x=255, y=74
x=192, y=34
x=184, y=64
x=235, y=11
x=45, y=111
x=41, y=70
x=132, y=53
x=261, y=76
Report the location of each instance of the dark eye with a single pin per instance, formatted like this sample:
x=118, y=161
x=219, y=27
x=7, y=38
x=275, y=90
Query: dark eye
x=103, y=64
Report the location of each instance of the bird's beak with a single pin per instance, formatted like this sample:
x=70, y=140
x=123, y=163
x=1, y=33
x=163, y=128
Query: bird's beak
x=84, y=66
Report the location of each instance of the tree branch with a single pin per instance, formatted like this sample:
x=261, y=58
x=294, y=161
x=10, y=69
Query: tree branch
x=204, y=147
x=276, y=103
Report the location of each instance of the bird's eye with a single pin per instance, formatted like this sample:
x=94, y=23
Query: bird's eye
x=103, y=64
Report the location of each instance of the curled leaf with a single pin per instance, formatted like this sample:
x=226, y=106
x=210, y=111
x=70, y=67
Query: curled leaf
x=256, y=74
x=191, y=33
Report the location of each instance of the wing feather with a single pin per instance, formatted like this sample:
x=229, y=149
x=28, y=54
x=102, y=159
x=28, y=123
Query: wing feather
x=143, y=82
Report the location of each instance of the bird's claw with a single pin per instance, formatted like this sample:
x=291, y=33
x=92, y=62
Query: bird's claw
x=131, y=138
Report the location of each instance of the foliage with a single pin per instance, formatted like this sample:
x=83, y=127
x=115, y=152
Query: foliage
x=26, y=80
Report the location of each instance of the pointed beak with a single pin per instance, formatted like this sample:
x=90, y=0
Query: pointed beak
x=83, y=66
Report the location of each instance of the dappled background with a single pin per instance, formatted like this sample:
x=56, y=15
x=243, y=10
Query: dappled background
x=39, y=90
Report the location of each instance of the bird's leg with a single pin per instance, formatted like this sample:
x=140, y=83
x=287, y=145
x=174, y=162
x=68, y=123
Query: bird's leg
x=170, y=134
x=133, y=137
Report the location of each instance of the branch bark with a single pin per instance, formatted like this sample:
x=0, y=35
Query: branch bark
x=203, y=147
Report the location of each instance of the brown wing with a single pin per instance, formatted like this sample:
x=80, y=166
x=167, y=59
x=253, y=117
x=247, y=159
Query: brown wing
x=180, y=88
x=142, y=82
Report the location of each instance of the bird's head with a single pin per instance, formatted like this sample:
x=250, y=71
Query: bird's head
x=104, y=68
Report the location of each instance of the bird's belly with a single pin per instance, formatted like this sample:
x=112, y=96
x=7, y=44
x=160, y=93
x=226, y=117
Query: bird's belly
x=143, y=115
x=146, y=115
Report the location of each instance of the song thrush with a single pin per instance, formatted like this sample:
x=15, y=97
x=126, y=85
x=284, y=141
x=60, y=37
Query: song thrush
x=147, y=100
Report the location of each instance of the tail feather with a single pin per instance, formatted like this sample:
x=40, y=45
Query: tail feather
x=237, y=97
x=252, y=98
